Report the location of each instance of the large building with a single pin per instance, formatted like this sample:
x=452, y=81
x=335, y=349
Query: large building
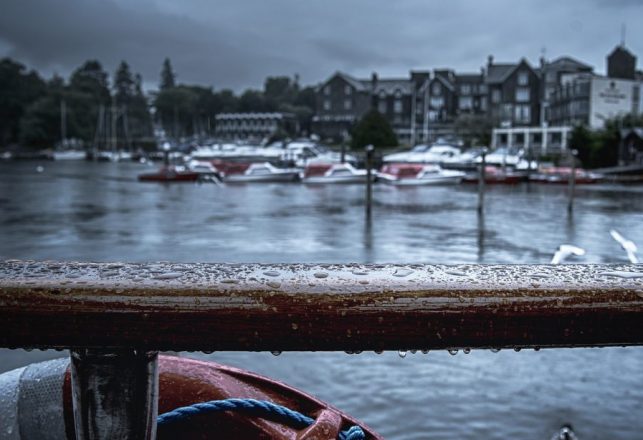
x=427, y=105
x=586, y=98
x=233, y=126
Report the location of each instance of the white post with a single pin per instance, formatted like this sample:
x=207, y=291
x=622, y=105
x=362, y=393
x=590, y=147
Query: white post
x=563, y=140
x=544, y=142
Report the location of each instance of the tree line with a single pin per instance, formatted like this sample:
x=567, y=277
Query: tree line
x=35, y=112
x=87, y=107
x=188, y=110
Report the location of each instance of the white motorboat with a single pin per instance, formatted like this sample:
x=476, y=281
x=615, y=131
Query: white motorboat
x=444, y=155
x=205, y=169
x=70, y=155
x=405, y=174
x=257, y=172
x=333, y=173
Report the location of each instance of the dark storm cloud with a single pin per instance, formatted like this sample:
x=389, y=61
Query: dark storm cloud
x=230, y=43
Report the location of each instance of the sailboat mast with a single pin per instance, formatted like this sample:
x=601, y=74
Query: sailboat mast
x=63, y=123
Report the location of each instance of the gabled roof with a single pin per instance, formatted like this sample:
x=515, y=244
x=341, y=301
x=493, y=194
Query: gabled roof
x=567, y=60
x=498, y=73
x=444, y=80
x=357, y=84
x=391, y=85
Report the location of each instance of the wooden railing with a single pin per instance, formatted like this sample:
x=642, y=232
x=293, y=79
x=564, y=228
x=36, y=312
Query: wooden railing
x=168, y=306
x=115, y=317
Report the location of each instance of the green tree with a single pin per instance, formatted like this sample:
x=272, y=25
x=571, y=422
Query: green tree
x=373, y=129
x=168, y=77
x=87, y=92
x=18, y=90
x=123, y=84
x=280, y=90
x=474, y=129
x=253, y=101
x=175, y=108
x=90, y=79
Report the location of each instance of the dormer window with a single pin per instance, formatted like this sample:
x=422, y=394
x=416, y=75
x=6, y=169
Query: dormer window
x=327, y=90
x=347, y=90
x=523, y=78
x=436, y=90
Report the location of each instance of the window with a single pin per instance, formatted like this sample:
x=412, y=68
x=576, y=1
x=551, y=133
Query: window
x=522, y=94
x=347, y=104
x=436, y=102
x=436, y=90
x=433, y=116
x=495, y=96
x=347, y=90
x=483, y=104
x=465, y=103
x=522, y=113
x=465, y=89
x=523, y=78
x=381, y=104
x=326, y=104
x=482, y=88
x=397, y=106
x=327, y=90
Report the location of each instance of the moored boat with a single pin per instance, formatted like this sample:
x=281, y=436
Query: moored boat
x=170, y=173
x=256, y=172
x=69, y=155
x=497, y=175
x=561, y=175
x=333, y=173
x=403, y=174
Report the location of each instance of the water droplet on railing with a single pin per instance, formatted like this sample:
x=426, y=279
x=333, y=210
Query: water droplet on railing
x=320, y=275
x=495, y=350
x=359, y=272
x=402, y=273
x=517, y=349
x=271, y=273
x=275, y=353
x=401, y=353
x=453, y=351
x=466, y=350
x=274, y=284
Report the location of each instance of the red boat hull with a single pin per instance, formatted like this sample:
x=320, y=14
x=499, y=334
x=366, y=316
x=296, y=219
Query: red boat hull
x=168, y=175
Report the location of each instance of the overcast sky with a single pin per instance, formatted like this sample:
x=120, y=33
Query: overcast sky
x=237, y=43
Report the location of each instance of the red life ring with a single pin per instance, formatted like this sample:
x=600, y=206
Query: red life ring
x=35, y=402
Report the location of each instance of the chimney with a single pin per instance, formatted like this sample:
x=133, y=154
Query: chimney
x=490, y=61
x=373, y=90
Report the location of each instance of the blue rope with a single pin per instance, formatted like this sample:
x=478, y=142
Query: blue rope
x=256, y=408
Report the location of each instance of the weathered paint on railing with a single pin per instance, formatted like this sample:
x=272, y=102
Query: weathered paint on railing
x=165, y=306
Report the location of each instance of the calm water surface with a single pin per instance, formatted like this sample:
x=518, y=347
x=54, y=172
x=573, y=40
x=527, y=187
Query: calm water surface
x=98, y=212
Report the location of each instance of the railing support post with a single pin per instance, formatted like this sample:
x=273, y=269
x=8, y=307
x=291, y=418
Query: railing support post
x=115, y=394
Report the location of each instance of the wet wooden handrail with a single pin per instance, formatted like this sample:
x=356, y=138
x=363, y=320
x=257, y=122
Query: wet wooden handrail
x=164, y=306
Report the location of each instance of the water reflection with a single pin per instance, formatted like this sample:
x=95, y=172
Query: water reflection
x=481, y=233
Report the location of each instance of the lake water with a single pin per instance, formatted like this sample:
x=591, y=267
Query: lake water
x=98, y=212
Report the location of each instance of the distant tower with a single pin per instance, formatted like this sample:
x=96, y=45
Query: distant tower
x=621, y=63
